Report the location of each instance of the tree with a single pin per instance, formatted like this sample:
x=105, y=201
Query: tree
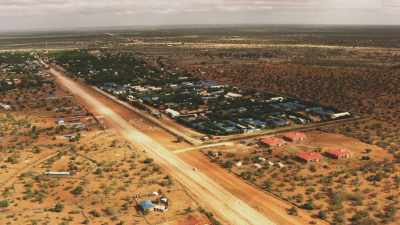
x=390, y=212
x=4, y=203
x=339, y=217
x=293, y=211
x=337, y=200
x=361, y=217
x=397, y=180
x=308, y=206
x=228, y=164
x=59, y=207
x=148, y=161
x=77, y=191
x=188, y=210
x=322, y=215
x=34, y=133
x=267, y=185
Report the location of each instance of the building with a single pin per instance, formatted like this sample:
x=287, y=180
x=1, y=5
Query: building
x=146, y=206
x=71, y=137
x=233, y=95
x=340, y=115
x=60, y=122
x=257, y=166
x=160, y=208
x=277, y=122
x=5, y=106
x=295, y=136
x=276, y=99
x=51, y=173
x=272, y=142
x=339, y=153
x=172, y=113
x=78, y=126
x=309, y=156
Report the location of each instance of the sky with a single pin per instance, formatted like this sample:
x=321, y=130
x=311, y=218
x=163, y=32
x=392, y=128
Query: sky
x=66, y=14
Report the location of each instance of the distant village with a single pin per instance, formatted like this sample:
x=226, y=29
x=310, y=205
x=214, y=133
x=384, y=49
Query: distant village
x=221, y=109
x=204, y=105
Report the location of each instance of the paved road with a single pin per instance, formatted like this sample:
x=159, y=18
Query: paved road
x=228, y=207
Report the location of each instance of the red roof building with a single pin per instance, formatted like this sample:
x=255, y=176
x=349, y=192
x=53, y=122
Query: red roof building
x=309, y=156
x=339, y=153
x=295, y=136
x=272, y=142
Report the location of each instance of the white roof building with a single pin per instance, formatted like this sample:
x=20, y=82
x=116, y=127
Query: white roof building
x=258, y=166
x=5, y=106
x=172, y=113
x=233, y=95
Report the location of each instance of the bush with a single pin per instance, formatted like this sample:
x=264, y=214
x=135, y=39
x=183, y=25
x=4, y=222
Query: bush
x=188, y=210
x=148, y=161
x=95, y=213
x=293, y=211
x=77, y=191
x=228, y=164
x=308, y=206
x=4, y=203
x=322, y=215
x=58, y=208
x=12, y=159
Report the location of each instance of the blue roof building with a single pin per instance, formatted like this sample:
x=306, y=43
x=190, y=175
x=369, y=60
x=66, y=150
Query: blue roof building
x=146, y=206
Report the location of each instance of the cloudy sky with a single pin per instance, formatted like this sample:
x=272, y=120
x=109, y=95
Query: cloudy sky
x=65, y=14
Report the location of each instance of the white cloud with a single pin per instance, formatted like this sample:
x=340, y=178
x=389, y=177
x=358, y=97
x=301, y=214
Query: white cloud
x=34, y=7
x=26, y=13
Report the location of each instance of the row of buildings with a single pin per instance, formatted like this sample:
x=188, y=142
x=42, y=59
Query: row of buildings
x=304, y=156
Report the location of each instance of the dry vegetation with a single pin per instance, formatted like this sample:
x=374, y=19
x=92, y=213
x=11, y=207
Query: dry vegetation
x=361, y=190
x=108, y=177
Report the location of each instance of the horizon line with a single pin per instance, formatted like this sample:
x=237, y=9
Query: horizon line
x=178, y=26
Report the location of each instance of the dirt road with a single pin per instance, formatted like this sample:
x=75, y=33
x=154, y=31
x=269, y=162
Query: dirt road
x=272, y=207
x=227, y=207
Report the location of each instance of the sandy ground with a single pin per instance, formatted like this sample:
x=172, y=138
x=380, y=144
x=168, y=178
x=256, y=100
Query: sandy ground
x=226, y=206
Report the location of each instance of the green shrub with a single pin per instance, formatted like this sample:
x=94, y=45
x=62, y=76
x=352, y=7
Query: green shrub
x=4, y=203
x=77, y=191
x=58, y=208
